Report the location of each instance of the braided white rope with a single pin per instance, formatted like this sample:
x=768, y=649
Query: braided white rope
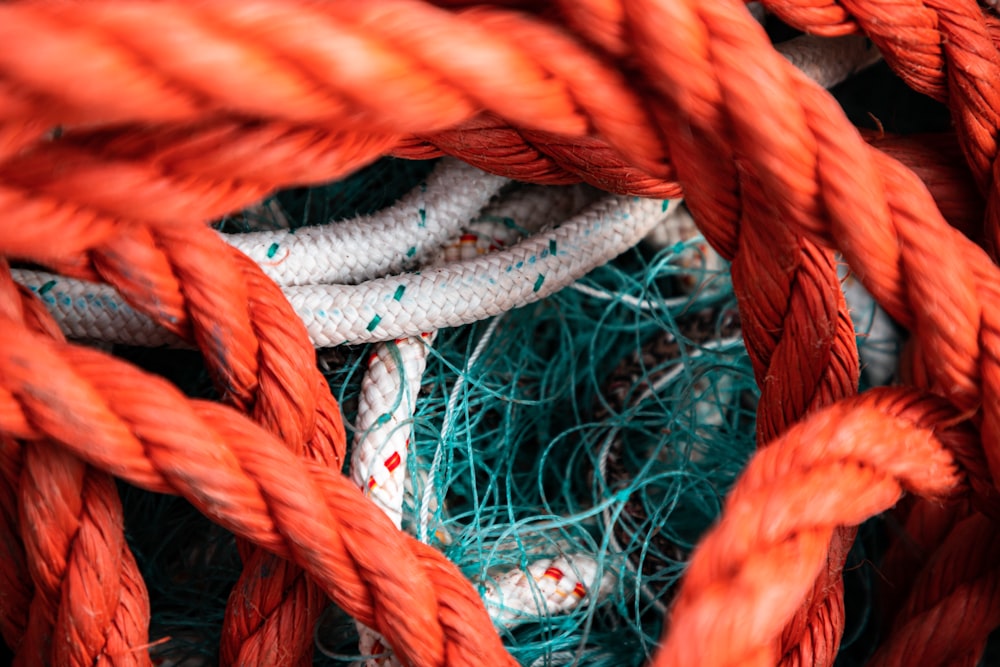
x=545, y=588
x=398, y=306
x=385, y=412
x=390, y=386
x=394, y=239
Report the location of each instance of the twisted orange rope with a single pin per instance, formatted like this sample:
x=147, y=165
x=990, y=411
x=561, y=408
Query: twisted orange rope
x=86, y=584
x=288, y=91
x=750, y=571
x=239, y=475
x=952, y=605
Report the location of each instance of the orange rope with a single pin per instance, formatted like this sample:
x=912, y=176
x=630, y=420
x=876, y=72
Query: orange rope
x=80, y=560
x=750, y=571
x=635, y=96
x=951, y=605
x=242, y=477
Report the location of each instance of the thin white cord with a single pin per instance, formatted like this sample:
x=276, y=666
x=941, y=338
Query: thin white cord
x=608, y=515
x=424, y=511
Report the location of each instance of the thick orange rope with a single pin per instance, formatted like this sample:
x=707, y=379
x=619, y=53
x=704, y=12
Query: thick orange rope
x=952, y=604
x=242, y=477
x=73, y=548
x=751, y=569
x=650, y=92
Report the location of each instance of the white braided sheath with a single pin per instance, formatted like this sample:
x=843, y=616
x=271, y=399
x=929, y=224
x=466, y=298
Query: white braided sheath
x=385, y=412
x=378, y=461
x=395, y=239
x=547, y=587
x=390, y=387
x=394, y=307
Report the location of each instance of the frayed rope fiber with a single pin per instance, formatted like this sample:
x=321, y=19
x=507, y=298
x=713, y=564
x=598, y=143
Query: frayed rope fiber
x=126, y=126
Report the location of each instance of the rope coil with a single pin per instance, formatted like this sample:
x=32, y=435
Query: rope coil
x=638, y=97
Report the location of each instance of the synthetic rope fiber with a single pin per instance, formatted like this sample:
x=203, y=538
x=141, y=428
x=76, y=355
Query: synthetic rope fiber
x=124, y=127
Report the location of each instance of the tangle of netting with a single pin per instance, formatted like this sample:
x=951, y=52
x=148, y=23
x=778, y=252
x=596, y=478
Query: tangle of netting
x=514, y=439
x=606, y=422
x=513, y=451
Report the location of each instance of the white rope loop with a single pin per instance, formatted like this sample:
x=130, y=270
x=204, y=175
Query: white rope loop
x=395, y=239
x=400, y=306
x=392, y=381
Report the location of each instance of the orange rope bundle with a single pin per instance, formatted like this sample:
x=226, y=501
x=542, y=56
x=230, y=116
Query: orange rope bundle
x=170, y=114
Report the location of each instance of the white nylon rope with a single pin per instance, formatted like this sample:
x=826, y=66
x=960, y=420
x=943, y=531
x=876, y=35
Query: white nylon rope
x=391, y=384
x=388, y=400
x=397, y=238
x=406, y=235
x=398, y=306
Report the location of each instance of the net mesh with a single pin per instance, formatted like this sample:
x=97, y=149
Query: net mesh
x=609, y=420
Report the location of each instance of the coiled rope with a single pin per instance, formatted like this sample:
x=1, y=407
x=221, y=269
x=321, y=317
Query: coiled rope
x=772, y=183
x=403, y=305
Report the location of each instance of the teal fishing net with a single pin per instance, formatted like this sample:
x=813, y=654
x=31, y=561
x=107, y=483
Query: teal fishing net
x=608, y=420
x=533, y=453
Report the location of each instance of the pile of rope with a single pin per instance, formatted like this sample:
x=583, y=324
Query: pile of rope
x=126, y=127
